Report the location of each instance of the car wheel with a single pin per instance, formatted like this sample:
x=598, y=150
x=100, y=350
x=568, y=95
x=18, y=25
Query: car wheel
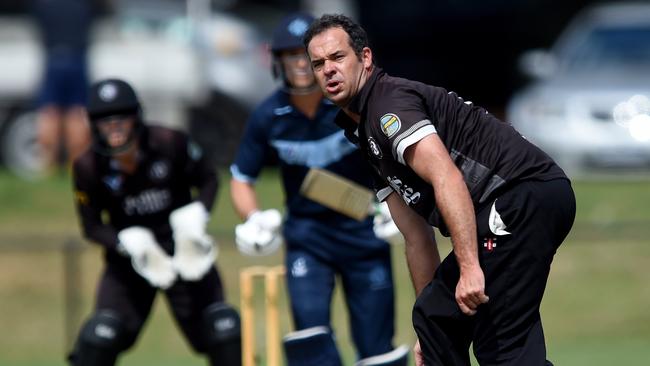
x=21, y=152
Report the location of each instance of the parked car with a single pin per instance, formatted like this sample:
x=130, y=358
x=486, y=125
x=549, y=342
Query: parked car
x=195, y=69
x=600, y=61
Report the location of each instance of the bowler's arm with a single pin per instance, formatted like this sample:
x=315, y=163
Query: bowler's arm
x=430, y=159
x=421, y=250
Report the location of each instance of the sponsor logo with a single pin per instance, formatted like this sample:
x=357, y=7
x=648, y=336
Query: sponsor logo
x=147, y=202
x=374, y=148
x=104, y=331
x=225, y=324
x=489, y=243
x=315, y=153
x=408, y=194
x=390, y=124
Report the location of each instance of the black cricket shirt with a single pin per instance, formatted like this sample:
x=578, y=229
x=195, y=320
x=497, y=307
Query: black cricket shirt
x=397, y=113
x=170, y=167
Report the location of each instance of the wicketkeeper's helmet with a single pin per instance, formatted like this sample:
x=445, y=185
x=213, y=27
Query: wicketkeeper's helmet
x=113, y=97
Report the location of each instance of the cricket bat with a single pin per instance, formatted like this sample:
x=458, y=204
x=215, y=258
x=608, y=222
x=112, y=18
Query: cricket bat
x=337, y=193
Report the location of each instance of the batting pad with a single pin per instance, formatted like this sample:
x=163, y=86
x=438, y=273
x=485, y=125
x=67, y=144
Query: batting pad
x=337, y=193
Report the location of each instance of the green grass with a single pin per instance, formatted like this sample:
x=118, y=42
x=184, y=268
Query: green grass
x=595, y=310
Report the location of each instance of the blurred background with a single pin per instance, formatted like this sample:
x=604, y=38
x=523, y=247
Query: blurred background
x=573, y=76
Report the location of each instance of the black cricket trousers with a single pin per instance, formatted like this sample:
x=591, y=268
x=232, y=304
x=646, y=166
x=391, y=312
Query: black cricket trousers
x=124, y=292
x=507, y=330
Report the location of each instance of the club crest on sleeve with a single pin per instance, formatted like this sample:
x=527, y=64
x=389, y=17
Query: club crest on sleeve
x=81, y=197
x=390, y=124
x=374, y=148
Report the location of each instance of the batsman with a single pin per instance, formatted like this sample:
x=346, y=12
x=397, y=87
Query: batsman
x=133, y=193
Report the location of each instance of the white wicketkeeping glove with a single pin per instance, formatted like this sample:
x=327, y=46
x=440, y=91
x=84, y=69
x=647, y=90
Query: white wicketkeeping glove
x=194, y=250
x=147, y=257
x=383, y=224
x=260, y=234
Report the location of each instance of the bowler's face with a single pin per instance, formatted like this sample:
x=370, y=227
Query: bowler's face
x=339, y=72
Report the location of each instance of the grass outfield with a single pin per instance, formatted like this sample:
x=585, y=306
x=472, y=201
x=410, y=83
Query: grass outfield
x=595, y=308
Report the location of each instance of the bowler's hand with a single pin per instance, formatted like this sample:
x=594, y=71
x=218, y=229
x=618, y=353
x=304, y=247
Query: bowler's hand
x=417, y=352
x=470, y=291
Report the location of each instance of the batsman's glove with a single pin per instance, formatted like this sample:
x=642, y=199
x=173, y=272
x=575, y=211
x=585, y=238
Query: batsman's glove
x=383, y=224
x=149, y=260
x=260, y=234
x=194, y=250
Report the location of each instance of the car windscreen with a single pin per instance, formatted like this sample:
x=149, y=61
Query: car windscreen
x=607, y=48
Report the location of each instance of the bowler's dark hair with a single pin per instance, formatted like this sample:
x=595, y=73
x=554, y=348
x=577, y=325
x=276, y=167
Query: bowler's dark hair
x=358, y=36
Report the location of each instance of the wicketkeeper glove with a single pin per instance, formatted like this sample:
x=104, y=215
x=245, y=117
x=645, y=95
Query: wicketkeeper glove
x=149, y=260
x=260, y=234
x=383, y=224
x=194, y=250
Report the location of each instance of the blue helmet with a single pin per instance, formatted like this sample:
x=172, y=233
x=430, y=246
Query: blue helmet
x=288, y=36
x=290, y=31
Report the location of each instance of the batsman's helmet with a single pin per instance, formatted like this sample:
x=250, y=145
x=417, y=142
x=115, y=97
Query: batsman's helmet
x=289, y=32
x=288, y=35
x=113, y=97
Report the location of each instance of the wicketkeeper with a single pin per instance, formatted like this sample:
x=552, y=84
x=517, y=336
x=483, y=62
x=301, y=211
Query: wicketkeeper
x=133, y=193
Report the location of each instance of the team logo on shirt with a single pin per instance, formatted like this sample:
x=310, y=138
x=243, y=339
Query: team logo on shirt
x=194, y=151
x=159, y=170
x=374, y=148
x=390, y=124
x=113, y=182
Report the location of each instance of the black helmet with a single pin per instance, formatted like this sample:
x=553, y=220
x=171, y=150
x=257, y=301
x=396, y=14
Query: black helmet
x=288, y=35
x=113, y=97
x=290, y=31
